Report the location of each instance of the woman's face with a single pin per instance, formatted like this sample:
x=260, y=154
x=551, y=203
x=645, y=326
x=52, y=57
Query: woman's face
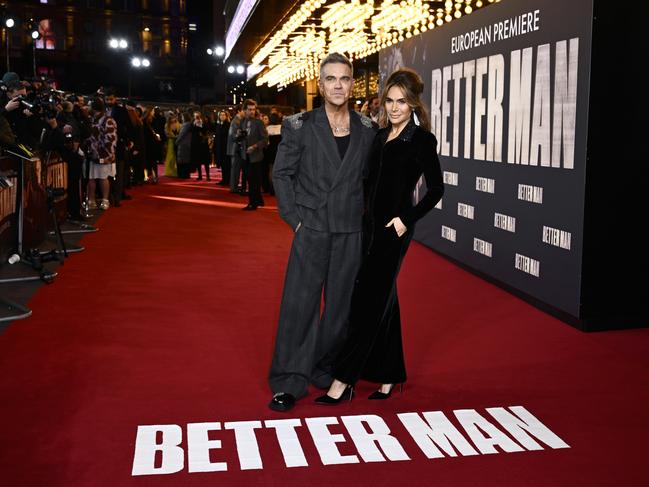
x=396, y=107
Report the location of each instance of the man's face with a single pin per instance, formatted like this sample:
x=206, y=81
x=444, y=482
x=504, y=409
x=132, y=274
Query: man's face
x=17, y=92
x=111, y=100
x=250, y=111
x=375, y=105
x=336, y=83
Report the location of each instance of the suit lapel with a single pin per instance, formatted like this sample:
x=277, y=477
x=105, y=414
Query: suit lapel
x=326, y=137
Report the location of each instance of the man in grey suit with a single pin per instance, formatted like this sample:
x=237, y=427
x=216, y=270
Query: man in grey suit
x=255, y=137
x=318, y=181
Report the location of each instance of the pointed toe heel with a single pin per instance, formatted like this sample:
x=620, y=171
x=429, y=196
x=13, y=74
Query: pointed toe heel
x=378, y=395
x=327, y=400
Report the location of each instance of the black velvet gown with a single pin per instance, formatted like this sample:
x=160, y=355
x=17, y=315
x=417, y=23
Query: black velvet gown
x=373, y=349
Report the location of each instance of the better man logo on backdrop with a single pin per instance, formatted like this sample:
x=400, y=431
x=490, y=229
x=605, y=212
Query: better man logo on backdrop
x=507, y=89
x=163, y=449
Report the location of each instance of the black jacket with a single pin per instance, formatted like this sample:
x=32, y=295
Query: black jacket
x=395, y=168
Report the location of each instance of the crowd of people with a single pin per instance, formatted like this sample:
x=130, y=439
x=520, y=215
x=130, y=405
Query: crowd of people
x=241, y=142
x=110, y=143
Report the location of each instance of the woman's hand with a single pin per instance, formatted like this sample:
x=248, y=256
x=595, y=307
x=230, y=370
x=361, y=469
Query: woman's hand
x=398, y=225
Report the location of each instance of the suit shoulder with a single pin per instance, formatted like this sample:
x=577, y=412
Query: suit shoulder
x=426, y=137
x=296, y=121
x=367, y=122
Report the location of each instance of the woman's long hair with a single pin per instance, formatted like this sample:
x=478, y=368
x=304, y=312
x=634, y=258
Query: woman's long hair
x=412, y=86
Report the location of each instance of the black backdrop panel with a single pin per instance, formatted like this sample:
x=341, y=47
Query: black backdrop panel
x=507, y=89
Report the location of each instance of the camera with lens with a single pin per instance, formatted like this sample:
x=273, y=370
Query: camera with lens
x=241, y=135
x=41, y=104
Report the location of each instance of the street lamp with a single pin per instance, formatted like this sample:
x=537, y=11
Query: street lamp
x=115, y=43
x=137, y=62
x=217, y=51
x=8, y=22
x=35, y=35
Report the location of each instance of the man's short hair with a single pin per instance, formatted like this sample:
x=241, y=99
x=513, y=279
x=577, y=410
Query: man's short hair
x=335, y=57
x=97, y=105
x=248, y=102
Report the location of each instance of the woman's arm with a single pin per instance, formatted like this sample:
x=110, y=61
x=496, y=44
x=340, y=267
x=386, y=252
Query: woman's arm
x=429, y=163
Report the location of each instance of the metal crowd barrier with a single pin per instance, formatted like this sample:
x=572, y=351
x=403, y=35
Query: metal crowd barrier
x=25, y=216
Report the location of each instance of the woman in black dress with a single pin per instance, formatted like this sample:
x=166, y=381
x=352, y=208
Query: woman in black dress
x=403, y=151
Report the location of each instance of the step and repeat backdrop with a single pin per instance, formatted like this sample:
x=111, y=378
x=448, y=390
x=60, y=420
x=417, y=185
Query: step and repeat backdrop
x=507, y=90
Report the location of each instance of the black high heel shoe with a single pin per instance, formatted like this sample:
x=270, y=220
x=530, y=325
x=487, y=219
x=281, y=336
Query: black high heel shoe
x=327, y=400
x=384, y=395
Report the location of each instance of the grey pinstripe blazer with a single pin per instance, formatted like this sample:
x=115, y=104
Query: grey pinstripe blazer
x=312, y=184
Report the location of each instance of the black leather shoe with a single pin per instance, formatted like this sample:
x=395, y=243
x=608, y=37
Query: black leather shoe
x=327, y=400
x=249, y=208
x=282, y=401
x=378, y=395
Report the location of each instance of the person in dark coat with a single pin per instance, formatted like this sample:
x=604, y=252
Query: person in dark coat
x=153, y=142
x=200, y=149
x=220, y=147
x=403, y=151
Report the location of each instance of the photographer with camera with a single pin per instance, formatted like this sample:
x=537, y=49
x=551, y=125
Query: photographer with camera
x=12, y=111
x=31, y=116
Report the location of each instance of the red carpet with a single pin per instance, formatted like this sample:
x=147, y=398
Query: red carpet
x=168, y=318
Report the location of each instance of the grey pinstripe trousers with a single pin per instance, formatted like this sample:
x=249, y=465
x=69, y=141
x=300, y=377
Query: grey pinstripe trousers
x=307, y=341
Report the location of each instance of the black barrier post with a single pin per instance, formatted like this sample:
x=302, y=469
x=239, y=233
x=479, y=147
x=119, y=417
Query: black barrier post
x=82, y=227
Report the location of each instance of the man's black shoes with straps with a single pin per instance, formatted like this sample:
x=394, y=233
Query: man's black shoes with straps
x=282, y=401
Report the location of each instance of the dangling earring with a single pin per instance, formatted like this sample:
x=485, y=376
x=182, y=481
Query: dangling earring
x=415, y=118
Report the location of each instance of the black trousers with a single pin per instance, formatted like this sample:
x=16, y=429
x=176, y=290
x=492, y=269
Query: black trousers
x=254, y=183
x=373, y=349
x=206, y=165
x=75, y=163
x=307, y=340
x=121, y=173
x=226, y=165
